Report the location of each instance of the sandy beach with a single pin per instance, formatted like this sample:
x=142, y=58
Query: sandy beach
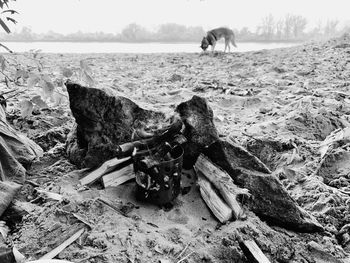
x=280, y=104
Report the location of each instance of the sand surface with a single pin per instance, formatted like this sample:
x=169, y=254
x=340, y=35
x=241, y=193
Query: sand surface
x=288, y=100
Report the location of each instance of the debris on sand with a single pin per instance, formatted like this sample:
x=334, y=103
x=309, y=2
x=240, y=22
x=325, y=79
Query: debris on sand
x=274, y=121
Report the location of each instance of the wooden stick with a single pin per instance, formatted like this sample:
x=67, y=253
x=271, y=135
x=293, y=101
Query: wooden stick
x=252, y=251
x=169, y=132
x=213, y=201
x=224, y=183
x=119, y=177
x=185, y=257
x=53, y=253
x=105, y=168
x=110, y=205
x=50, y=195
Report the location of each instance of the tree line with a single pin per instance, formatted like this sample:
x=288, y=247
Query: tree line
x=288, y=28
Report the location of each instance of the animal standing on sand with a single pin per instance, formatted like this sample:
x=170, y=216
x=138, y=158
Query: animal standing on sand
x=216, y=34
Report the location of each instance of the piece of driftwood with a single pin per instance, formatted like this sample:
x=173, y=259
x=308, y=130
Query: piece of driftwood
x=104, y=122
x=270, y=200
x=119, y=177
x=224, y=183
x=105, y=168
x=252, y=252
x=53, y=253
x=219, y=208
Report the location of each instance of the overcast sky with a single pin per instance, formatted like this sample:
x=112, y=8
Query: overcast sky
x=67, y=16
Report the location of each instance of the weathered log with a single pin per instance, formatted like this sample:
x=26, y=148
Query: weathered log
x=119, y=177
x=224, y=183
x=219, y=208
x=270, y=201
x=105, y=121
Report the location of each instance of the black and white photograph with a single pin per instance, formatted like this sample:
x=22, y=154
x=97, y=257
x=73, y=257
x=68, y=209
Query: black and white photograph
x=174, y=131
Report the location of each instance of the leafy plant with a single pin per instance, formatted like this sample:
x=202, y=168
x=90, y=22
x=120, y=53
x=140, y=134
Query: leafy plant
x=32, y=76
x=6, y=15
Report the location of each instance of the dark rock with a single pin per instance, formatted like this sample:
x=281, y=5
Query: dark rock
x=103, y=122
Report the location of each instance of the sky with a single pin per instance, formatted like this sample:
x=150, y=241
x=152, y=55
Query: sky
x=111, y=16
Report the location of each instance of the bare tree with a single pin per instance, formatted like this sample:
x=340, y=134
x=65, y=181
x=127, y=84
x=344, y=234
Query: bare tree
x=299, y=25
x=267, y=27
x=171, y=32
x=288, y=25
x=279, y=25
x=134, y=32
x=330, y=29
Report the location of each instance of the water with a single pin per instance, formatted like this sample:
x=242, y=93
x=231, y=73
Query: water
x=113, y=47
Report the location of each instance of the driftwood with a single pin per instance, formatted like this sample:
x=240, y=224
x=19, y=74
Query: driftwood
x=224, y=183
x=219, y=208
x=105, y=168
x=270, y=201
x=252, y=252
x=119, y=177
x=105, y=122
x=53, y=253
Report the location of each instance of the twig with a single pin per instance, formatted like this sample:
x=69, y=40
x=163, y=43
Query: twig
x=183, y=251
x=90, y=257
x=53, y=253
x=7, y=92
x=6, y=76
x=14, y=95
x=107, y=203
x=185, y=257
